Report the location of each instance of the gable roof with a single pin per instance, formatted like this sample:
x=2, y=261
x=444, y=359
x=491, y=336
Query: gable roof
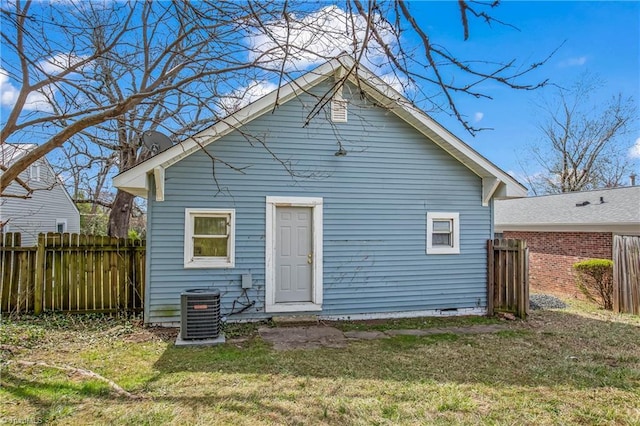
x=606, y=210
x=495, y=181
x=10, y=153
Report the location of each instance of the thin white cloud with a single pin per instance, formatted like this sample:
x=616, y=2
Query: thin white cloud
x=478, y=116
x=313, y=38
x=634, y=151
x=242, y=97
x=59, y=62
x=8, y=91
x=36, y=101
x=576, y=61
x=400, y=84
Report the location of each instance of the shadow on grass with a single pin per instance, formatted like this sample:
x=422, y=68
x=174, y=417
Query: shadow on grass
x=552, y=348
x=58, y=403
x=51, y=400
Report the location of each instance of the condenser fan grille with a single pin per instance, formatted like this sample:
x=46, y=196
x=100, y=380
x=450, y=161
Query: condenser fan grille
x=200, y=314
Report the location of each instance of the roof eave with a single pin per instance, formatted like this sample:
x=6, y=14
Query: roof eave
x=134, y=180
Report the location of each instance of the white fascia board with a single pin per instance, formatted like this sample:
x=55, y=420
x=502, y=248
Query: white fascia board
x=134, y=180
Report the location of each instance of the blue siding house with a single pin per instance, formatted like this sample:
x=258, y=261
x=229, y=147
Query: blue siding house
x=366, y=209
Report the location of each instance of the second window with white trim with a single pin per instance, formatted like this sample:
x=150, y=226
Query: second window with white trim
x=443, y=233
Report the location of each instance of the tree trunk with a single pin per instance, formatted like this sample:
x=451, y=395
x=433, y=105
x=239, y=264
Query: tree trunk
x=120, y=215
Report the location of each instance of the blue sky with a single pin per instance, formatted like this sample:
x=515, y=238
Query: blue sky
x=599, y=37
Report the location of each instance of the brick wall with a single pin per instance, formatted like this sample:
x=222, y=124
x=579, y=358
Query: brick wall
x=552, y=255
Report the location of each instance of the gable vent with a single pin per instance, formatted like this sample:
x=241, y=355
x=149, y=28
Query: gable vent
x=338, y=108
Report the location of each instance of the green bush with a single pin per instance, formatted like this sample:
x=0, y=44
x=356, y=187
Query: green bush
x=595, y=281
x=133, y=234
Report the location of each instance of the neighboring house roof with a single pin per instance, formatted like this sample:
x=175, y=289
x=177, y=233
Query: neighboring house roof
x=495, y=182
x=12, y=152
x=605, y=210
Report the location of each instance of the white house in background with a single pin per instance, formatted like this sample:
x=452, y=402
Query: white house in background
x=48, y=209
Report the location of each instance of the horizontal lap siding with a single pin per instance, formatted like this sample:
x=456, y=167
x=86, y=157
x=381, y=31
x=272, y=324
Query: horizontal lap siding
x=375, y=204
x=38, y=213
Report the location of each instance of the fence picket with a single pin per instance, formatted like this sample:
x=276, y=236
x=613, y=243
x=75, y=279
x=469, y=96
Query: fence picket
x=15, y=279
x=38, y=286
x=5, y=271
x=91, y=273
x=25, y=282
x=107, y=260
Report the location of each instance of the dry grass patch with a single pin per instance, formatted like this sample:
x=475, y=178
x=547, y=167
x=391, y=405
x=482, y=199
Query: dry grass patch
x=576, y=366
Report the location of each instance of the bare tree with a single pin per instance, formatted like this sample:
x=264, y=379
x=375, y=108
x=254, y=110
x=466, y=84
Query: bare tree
x=115, y=69
x=132, y=66
x=583, y=144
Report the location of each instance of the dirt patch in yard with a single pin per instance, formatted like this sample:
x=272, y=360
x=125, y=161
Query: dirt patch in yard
x=283, y=338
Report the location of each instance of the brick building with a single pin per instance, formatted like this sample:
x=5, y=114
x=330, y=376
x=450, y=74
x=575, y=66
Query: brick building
x=563, y=229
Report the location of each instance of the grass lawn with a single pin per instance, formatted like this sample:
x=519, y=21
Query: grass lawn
x=580, y=365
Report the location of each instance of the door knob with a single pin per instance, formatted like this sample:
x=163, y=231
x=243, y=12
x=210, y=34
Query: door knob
x=310, y=258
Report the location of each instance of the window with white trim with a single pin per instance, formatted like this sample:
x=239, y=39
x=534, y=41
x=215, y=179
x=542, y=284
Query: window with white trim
x=61, y=225
x=209, y=238
x=443, y=233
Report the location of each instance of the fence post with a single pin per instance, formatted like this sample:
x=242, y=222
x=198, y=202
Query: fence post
x=39, y=276
x=522, y=279
x=526, y=277
x=490, y=278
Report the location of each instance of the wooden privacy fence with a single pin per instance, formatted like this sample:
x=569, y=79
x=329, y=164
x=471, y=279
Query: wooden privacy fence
x=626, y=274
x=71, y=273
x=508, y=277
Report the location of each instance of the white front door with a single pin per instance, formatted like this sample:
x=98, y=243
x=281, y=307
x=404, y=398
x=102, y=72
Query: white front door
x=293, y=254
